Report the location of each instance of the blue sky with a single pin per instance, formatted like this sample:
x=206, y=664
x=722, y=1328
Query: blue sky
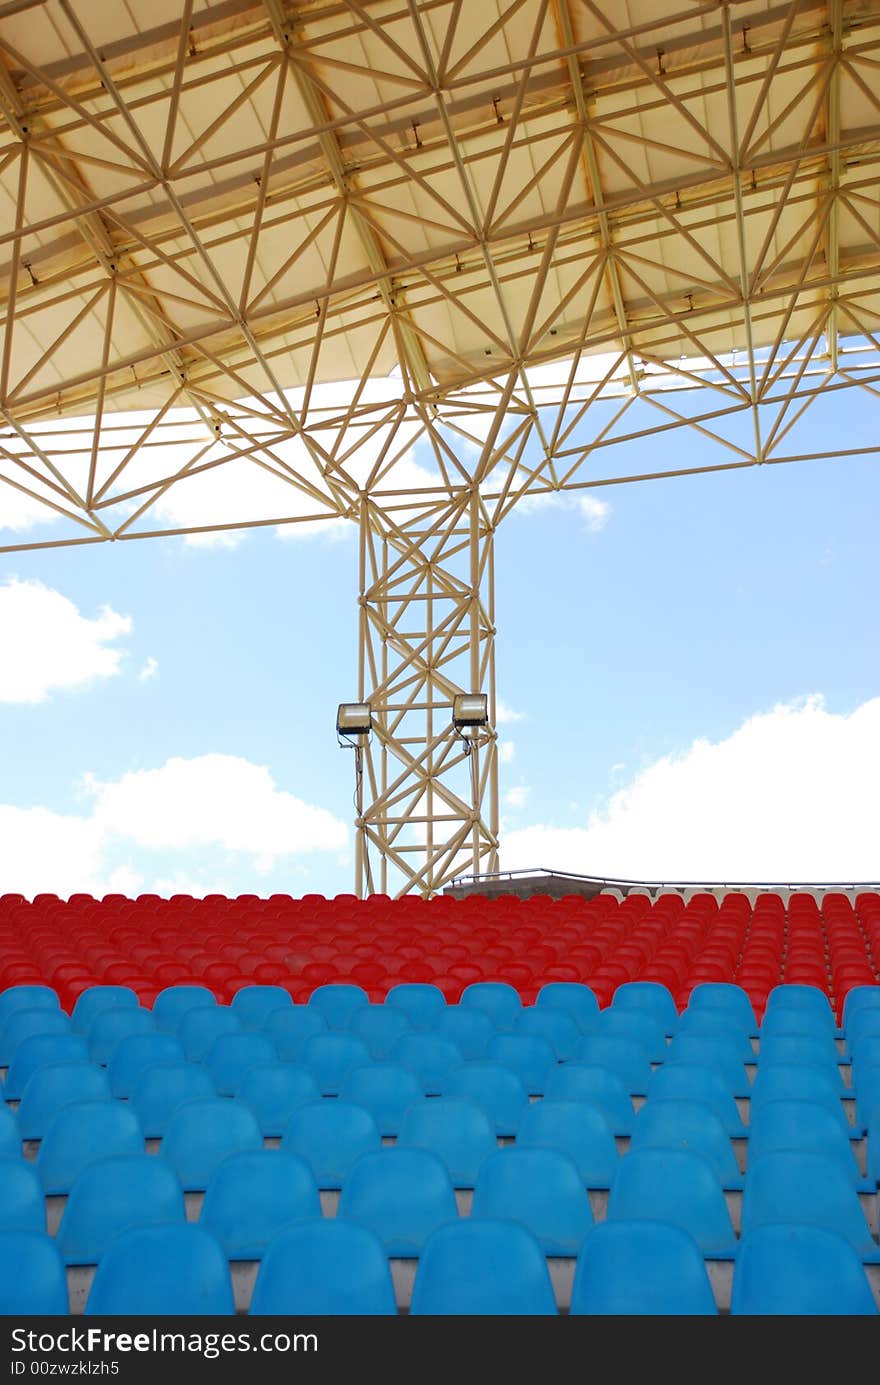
x=717, y=636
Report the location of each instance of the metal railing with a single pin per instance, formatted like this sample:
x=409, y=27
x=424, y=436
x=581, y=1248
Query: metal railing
x=613, y=881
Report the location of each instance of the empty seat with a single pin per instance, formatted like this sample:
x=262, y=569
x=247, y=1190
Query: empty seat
x=539, y=1188
x=254, y=1004
x=577, y=1130
x=42, y=1051
x=531, y=1058
x=379, y=1027
x=601, y=1088
x=330, y=1057
x=289, y=1029
x=51, y=1088
x=386, y=1090
x=137, y=1053
x=110, y=1026
x=560, y=1030
x=111, y=1196
x=807, y=1126
x=337, y=1002
x=723, y=996
x=253, y=1196
x=430, y=1057
x=331, y=1136
x=496, y=999
x=572, y=998
x=329, y=1267
x=712, y=1051
x=494, y=1088
x=649, y=998
x=273, y=1091
x=470, y=1030
x=172, y=1003
x=205, y=1131
x=231, y=1055
x=21, y=1197
x=626, y=1058
x=482, y=1268
x=793, y=1021
x=802, y=1270
x=799, y=1082
x=95, y=999
x=420, y=1002
x=400, y=1194
x=688, y=1125
x=860, y=998
x=815, y=1050
x=692, y=1082
x=163, y=1087
x=24, y=1024
x=458, y=1132
x=641, y=1268
x=200, y=1026
x=638, y=1025
x=716, y=1024
x=173, y=1270
x=81, y=1133
x=804, y=998
x=26, y=998
x=674, y=1186
x=862, y=1024
x=32, y=1276
x=10, y=1140
x=808, y=1190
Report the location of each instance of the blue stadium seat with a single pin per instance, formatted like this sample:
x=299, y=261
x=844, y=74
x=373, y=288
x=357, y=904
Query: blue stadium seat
x=539, y=1188
x=792, y=1021
x=532, y=1059
x=167, y=1270
x=42, y=1051
x=232, y=1055
x=458, y=1132
x=400, y=1194
x=648, y=998
x=26, y=998
x=112, y=1195
x=576, y=1129
x=137, y=1053
x=865, y=1056
x=573, y=999
x=688, y=1125
x=337, y=1002
x=51, y=1088
x=862, y=1024
x=801, y=1082
x=80, y=1134
x=638, y=1025
x=693, y=1082
x=601, y=1088
x=494, y=1088
x=253, y=1196
x=33, y=1281
x=787, y=1270
x=627, y=1059
x=430, y=1056
x=386, y=1090
x=200, y=1026
x=330, y=1057
x=807, y=999
x=273, y=1091
x=94, y=1000
x=496, y=999
x=471, y=1030
x=325, y=1268
x=111, y=1026
x=711, y=1051
x=25, y=1024
x=204, y=1131
x=254, y=1004
x=289, y=1029
x=808, y=1190
x=867, y=1099
x=874, y=1149
x=559, y=1029
x=676, y=1186
x=162, y=1088
x=21, y=1197
x=807, y=1126
x=174, y=1002
x=794, y=1049
x=644, y=1268
x=421, y=1003
x=484, y=1268
x=379, y=1027
x=724, y=997
x=860, y=998
x=10, y=1140
x=331, y=1136
x=716, y=1024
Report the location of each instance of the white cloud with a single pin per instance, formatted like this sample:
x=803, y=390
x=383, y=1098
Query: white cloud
x=149, y=670
x=210, y=803
x=516, y=797
x=595, y=512
x=790, y=795
x=506, y=752
x=48, y=645
x=504, y=714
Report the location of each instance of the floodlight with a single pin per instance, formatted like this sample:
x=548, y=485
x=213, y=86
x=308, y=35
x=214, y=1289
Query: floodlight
x=470, y=710
x=353, y=719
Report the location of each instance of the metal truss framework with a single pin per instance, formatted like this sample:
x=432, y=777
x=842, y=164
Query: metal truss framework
x=531, y=238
